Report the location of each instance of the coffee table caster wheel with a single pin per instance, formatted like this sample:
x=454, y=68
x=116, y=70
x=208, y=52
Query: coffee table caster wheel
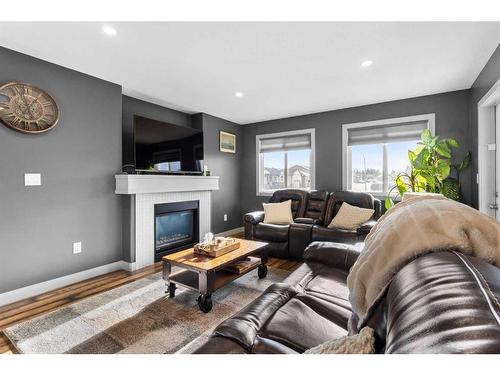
x=205, y=303
x=262, y=272
x=171, y=290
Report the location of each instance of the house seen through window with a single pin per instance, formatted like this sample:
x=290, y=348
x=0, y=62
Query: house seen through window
x=285, y=160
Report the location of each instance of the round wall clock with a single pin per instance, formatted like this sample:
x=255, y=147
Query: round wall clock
x=27, y=108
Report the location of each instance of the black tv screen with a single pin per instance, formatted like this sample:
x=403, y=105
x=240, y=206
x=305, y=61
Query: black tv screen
x=166, y=148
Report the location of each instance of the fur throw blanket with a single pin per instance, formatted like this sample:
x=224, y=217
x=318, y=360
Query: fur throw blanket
x=412, y=228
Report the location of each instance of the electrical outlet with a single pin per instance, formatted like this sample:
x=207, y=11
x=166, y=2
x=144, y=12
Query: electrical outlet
x=32, y=179
x=77, y=247
x=225, y=217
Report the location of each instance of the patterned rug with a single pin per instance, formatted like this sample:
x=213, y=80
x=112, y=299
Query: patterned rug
x=137, y=318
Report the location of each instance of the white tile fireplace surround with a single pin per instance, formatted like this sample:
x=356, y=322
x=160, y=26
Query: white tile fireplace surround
x=147, y=190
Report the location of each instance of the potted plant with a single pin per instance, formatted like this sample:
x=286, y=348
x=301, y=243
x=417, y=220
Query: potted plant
x=431, y=164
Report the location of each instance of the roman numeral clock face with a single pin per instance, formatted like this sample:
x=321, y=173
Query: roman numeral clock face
x=27, y=108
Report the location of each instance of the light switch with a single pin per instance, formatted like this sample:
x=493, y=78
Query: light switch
x=32, y=179
x=77, y=247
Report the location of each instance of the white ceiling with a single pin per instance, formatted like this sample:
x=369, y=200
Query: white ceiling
x=283, y=69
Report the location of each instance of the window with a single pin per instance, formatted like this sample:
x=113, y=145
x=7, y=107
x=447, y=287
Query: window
x=376, y=151
x=285, y=160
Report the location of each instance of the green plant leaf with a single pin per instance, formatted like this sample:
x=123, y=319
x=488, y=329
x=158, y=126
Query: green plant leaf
x=443, y=149
x=422, y=159
x=443, y=171
x=466, y=162
x=452, y=143
x=426, y=137
x=444, y=162
x=411, y=156
x=389, y=203
x=419, y=182
x=401, y=185
x=433, y=141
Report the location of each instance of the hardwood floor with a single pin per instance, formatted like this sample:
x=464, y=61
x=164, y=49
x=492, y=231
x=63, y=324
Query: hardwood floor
x=28, y=308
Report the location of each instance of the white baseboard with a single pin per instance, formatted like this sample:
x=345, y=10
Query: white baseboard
x=46, y=286
x=129, y=266
x=230, y=232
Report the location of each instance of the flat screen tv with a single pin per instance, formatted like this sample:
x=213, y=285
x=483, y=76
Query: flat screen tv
x=161, y=147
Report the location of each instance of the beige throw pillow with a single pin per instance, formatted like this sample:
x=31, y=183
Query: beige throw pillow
x=351, y=217
x=362, y=343
x=278, y=213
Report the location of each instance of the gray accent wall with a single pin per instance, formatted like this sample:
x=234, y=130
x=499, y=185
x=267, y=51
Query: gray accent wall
x=452, y=119
x=77, y=161
x=484, y=82
x=227, y=200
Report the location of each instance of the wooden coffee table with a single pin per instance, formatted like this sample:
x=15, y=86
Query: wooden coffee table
x=205, y=274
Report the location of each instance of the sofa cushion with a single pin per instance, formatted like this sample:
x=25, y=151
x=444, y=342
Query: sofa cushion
x=319, y=311
x=278, y=213
x=351, y=217
x=310, y=328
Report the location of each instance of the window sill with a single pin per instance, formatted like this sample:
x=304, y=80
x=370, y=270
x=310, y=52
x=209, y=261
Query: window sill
x=265, y=194
x=270, y=193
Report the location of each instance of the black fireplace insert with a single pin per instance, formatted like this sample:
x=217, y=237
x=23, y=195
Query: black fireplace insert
x=176, y=227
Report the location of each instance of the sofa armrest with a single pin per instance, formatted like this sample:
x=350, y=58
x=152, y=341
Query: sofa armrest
x=254, y=217
x=333, y=254
x=307, y=220
x=366, y=227
x=377, y=205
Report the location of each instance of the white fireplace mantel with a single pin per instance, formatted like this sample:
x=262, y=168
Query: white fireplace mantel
x=146, y=191
x=148, y=184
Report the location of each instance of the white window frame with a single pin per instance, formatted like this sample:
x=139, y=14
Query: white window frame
x=259, y=160
x=346, y=155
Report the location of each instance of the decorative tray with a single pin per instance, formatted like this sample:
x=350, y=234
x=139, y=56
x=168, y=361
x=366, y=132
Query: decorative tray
x=218, y=248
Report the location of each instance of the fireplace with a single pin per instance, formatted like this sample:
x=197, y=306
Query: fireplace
x=176, y=227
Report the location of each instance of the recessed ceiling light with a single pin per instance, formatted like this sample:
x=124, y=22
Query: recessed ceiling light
x=366, y=63
x=109, y=30
x=238, y=94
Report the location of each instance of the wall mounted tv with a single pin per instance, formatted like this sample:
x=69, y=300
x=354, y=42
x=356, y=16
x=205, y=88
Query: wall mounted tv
x=161, y=147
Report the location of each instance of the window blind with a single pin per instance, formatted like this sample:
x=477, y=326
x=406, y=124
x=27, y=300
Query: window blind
x=286, y=143
x=386, y=133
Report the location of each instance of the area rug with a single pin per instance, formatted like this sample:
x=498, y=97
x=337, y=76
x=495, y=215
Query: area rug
x=137, y=318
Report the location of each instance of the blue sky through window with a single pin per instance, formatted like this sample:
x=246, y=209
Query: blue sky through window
x=367, y=163
x=397, y=156
x=297, y=157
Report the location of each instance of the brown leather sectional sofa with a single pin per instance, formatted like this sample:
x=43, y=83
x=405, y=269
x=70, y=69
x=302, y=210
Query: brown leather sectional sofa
x=312, y=212
x=442, y=302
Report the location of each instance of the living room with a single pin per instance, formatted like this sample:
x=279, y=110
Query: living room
x=237, y=190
